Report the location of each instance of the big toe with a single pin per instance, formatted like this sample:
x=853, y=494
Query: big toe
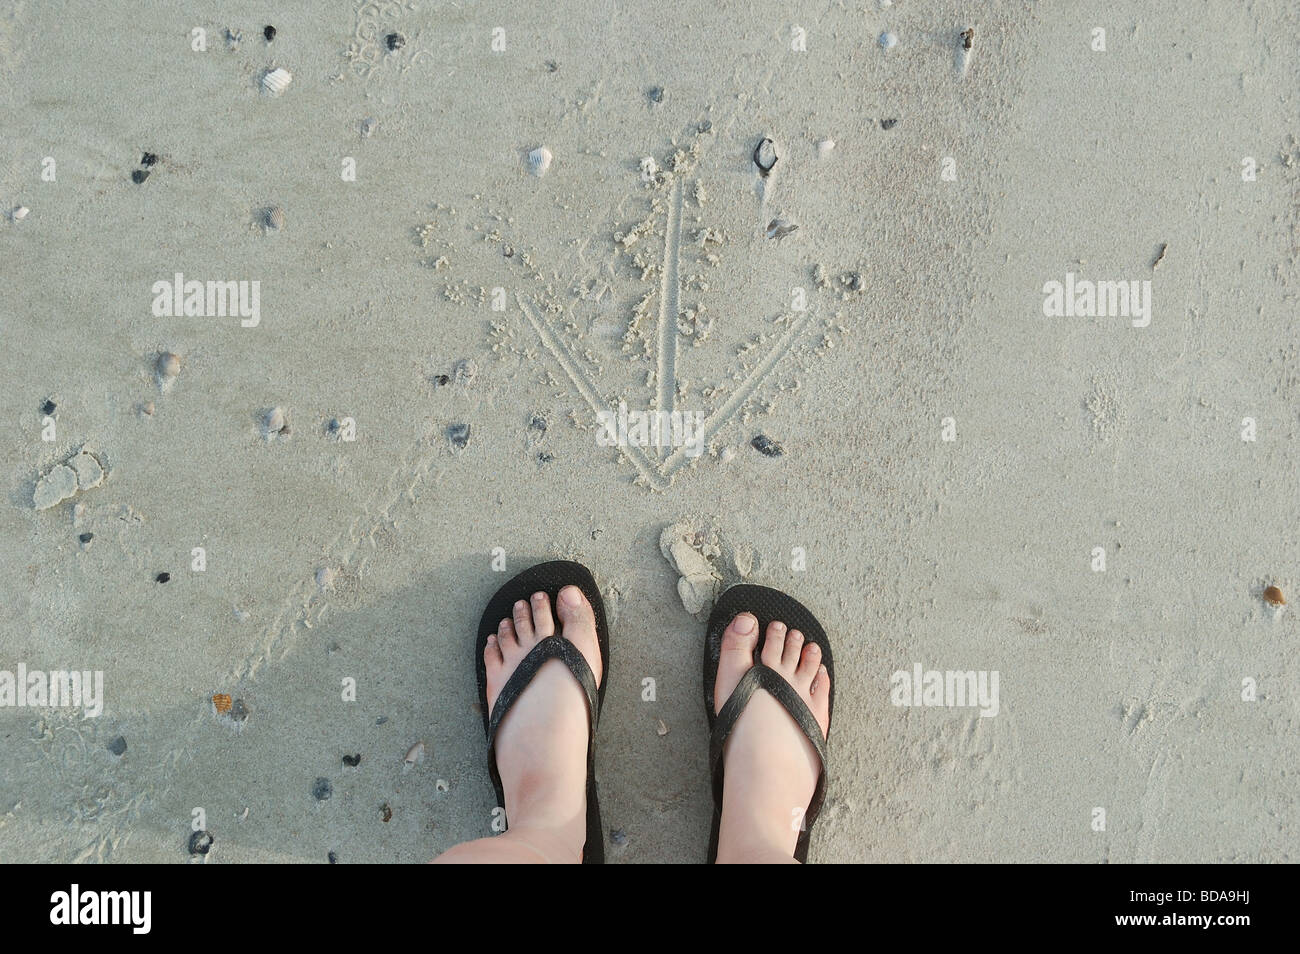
x=737, y=656
x=578, y=625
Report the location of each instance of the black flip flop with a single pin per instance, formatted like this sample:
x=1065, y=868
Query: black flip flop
x=548, y=578
x=767, y=605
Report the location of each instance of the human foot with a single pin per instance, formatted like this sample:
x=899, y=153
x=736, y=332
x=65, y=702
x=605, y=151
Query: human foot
x=541, y=743
x=770, y=766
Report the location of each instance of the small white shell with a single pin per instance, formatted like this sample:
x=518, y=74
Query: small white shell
x=19, y=213
x=888, y=40
x=825, y=147
x=414, y=754
x=539, y=160
x=441, y=785
x=275, y=424
x=276, y=81
x=325, y=577
x=648, y=168
x=168, y=367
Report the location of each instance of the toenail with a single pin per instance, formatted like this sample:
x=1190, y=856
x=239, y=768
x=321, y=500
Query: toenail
x=778, y=626
x=814, y=649
x=571, y=596
x=744, y=624
x=539, y=596
x=520, y=604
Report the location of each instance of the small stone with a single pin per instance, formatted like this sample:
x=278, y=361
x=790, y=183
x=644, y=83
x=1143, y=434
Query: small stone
x=352, y=761
x=656, y=94
x=269, y=32
x=85, y=538
x=825, y=147
x=618, y=836
x=442, y=380
x=544, y=458
x=239, y=711
x=888, y=41
x=162, y=577
x=852, y=281
x=139, y=175
x=368, y=127
x=201, y=842
x=705, y=125
x=322, y=789
x=537, y=424
x=275, y=423
x=464, y=371
x=381, y=720
x=441, y=785
x=148, y=159
x=766, y=446
x=147, y=408
x=58, y=485
x=386, y=813
x=552, y=66
x=118, y=746
x=458, y=434
x=888, y=123
x=394, y=42
x=325, y=578
x=167, y=366
x=334, y=859
x=48, y=408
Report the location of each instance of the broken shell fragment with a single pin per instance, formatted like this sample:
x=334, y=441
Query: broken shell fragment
x=19, y=213
x=766, y=446
x=539, y=160
x=221, y=702
x=888, y=40
x=441, y=785
x=276, y=81
x=661, y=729
x=414, y=755
x=825, y=147
x=275, y=423
x=168, y=366
x=1273, y=596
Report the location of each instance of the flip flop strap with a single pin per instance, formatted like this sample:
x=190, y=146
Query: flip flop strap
x=552, y=647
x=758, y=677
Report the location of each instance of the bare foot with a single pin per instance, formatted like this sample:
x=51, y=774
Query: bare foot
x=770, y=767
x=541, y=744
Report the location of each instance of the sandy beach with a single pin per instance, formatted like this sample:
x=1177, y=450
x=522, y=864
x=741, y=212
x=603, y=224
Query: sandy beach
x=415, y=276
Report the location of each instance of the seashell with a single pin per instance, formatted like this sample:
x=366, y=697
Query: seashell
x=322, y=789
x=201, y=842
x=1273, y=596
x=766, y=446
x=147, y=408
x=539, y=160
x=414, y=755
x=618, y=836
x=273, y=218
x=168, y=366
x=239, y=711
x=276, y=81
x=56, y=486
x=368, y=126
x=441, y=785
x=325, y=577
x=386, y=813
x=19, y=213
x=888, y=123
x=661, y=729
x=888, y=40
x=780, y=228
x=825, y=147
x=275, y=423
x=765, y=156
x=458, y=434
x=649, y=169
x=233, y=39
x=222, y=703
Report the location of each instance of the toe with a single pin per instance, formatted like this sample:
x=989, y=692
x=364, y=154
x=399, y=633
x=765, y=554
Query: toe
x=506, y=639
x=737, y=656
x=790, y=654
x=578, y=624
x=492, y=657
x=524, y=624
x=809, y=661
x=543, y=618
x=774, y=645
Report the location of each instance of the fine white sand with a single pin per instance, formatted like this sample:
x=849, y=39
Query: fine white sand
x=1120, y=690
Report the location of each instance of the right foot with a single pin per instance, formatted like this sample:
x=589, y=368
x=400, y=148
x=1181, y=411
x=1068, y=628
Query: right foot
x=541, y=743
x=770, y=767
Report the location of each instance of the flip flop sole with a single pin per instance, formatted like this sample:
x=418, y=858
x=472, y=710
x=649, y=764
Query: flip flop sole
x=550, y=578
x=766, y=604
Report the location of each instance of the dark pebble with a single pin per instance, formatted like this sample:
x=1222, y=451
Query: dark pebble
x=85, y=537
x=385, y=813
x=888, y=123
x=239, y=711
x=49, y=407
x=442, y=380
x=765, y=157
x=552, y=66
x=705, y=125
x=334, y=859
x=139, y=176
x=394, y=41
x=967, y=39
x=118, y=746
x=618, y=836
x=766, y=446
x=545, y=458
x=162, y=577
x=381, y=720
x=352, y=760
x=201, y=842
x=458, y=434
x=269, y=33
x=148, y=159
x=322, y=790
x=656, y=94
x=538, y=424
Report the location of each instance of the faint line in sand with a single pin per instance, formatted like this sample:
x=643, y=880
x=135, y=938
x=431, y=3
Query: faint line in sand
x=670, y=294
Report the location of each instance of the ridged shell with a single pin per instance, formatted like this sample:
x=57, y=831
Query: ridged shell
x=539, y=160
x=276, y=81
